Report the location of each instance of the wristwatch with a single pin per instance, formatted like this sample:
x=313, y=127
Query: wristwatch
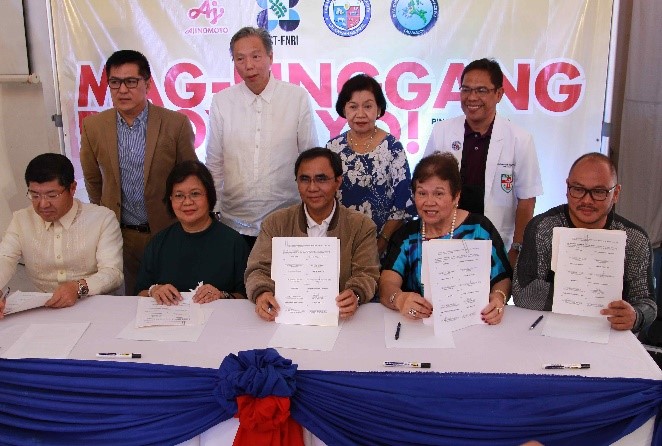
x=516, y=246
x=83, y=289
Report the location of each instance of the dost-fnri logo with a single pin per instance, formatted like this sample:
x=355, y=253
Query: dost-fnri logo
x=278, y=13
x=414, y=17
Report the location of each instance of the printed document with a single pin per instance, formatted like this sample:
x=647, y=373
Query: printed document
x=306, y=271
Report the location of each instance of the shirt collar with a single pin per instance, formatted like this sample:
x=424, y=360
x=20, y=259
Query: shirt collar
x=266, y=95
x=469, y=131
x=312, y=223
x=67, y=219
x=142, y=117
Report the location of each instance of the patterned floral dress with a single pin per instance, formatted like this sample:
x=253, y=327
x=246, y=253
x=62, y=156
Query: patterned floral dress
x=377, y=183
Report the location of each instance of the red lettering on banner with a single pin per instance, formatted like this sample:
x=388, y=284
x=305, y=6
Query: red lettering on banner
x=519, y=96
x=198, y=89
x=199, y=126
x=451, y=77
x=322, y=93
x=82, y=115
x=422, y=90
x=334, y=126
x=87, y=81
x=393, y=124
x=571, y=91
x=353, y=68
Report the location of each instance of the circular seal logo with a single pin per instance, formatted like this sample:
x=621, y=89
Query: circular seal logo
x=346, y=18
x=414, y=17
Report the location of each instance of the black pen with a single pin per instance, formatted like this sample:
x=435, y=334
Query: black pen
x=567, y=366
x=536, y=322
x=397, y=331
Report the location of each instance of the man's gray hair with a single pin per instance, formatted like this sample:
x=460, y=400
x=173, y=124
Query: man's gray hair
x=248, y=31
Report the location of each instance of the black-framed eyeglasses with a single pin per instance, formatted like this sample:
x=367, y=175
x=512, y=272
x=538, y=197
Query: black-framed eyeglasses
x=480, y=91
x=48, y=196
x=116, y=82
x=317, y=179
x=597, y=194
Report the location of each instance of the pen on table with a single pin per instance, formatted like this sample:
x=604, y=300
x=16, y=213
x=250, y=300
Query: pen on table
x=536, y=322
x=397, y=331
x=416, y=365
x=119, y=355
x=567, y=366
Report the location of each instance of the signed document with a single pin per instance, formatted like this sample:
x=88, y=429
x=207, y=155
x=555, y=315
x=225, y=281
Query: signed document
x=150, y=313
x=21, y=301
x=306, y=271
x=588, y=265
x=456, y=277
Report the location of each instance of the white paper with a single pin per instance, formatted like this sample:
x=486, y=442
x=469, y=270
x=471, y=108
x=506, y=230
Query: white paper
x=579, y=328
x=589, y=270
x=150, y=313
x=166, y=333
x=21, y=301
x=459, y=281
x=414, y=334
x=305, y=337
x=51, y=341
x=306, y=273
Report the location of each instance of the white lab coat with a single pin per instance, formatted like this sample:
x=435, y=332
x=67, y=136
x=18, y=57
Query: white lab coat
x=511, y=156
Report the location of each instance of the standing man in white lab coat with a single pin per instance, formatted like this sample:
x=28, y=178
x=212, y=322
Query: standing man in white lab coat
x=498, y=160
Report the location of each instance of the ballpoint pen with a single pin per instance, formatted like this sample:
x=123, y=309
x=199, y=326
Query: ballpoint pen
x=536, y=322
x=397, y=331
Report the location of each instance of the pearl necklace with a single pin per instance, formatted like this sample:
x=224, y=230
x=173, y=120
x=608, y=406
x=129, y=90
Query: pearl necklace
x=452, y=231
x=367, y=144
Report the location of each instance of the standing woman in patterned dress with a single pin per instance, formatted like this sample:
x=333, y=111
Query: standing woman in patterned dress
x=376, y=176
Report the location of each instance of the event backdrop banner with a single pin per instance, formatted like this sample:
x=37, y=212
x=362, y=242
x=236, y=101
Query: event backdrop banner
x=554, y=54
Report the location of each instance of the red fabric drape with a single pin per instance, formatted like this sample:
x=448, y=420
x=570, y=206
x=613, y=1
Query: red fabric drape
x=266, y=422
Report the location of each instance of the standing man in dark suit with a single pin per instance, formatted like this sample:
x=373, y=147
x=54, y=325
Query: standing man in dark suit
x=128, y=151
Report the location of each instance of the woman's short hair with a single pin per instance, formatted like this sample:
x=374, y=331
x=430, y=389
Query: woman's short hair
x=441, y=165
x=360, y=82
x=181, y=172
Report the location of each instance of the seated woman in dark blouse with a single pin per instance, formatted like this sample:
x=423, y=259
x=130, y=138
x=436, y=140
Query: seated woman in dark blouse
x=197, y=248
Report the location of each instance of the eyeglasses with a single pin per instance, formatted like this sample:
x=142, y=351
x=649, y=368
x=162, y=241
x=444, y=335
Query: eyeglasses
x=481, y=92
x=317, y=179
x=195, y=196
x=48, y=196
x=596, y=194
x=116, y=82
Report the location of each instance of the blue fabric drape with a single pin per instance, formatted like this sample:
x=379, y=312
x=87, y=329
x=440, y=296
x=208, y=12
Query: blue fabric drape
x=348, y=408
x=110, y=403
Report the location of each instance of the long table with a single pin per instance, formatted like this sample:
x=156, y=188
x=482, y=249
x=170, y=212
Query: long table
x=233, y=326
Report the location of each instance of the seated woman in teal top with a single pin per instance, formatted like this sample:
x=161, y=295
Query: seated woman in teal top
x=436, y=185
x=197, y=248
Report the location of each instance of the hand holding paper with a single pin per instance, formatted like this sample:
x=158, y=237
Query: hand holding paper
x=266, y=306
x=620, y=315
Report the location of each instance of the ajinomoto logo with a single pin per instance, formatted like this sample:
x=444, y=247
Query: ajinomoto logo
x=278, y=13
x=346, y=18
x=209, y=11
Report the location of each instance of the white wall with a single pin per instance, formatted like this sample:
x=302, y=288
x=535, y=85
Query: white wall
x=26, y=129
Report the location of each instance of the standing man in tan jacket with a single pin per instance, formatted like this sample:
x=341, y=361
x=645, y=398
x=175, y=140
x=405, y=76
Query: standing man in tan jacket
x=128, y=151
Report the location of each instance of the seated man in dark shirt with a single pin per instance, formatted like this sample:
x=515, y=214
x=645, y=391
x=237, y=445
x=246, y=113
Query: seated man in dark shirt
x=593, y=191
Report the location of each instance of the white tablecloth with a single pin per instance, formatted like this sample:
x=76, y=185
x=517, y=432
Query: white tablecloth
x=509, y=347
